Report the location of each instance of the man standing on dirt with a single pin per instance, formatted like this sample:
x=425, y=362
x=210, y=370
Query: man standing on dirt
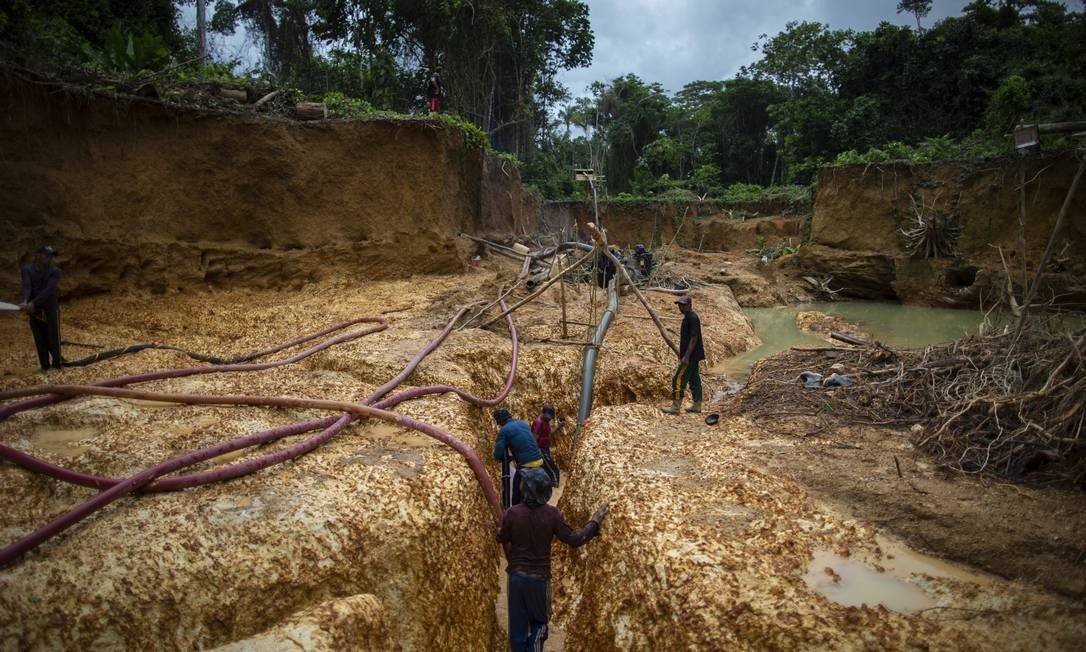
x=528, y=529
x=515, y=438
x=541, y=428
x=691, y=353
x=39, y=300
x=434, y=89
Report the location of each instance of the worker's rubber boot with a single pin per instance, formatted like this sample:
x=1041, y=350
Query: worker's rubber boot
x=672, y=409
x=694, y=407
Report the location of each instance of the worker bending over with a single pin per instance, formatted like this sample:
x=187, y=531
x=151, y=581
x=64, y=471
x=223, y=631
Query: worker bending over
x=39, y=300
x=541, y=428
x=528, y=529
x=515, y=440
x=691, y=353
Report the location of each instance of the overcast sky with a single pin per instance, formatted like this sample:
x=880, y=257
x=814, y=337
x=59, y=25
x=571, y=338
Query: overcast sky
x=678, y=41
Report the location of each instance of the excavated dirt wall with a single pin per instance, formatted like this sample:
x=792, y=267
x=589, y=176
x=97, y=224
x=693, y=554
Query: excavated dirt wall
x=859, y=211
x=140, y=194
x=704, y=225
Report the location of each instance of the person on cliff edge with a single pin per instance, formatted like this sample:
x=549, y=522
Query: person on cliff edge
x=39, y=301
x=527, y=530
x=434, y=89
x=515, y=444
x=691, y=353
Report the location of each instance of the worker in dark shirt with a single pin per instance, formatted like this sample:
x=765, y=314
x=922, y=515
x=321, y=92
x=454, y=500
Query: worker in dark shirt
x=39, y=300
x=541, y=429
x=643, y=258
x=691, y=353
x=515, y=443
x=528, y=529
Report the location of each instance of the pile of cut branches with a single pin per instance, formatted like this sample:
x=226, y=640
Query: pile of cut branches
x=982, y=405
x=931, y=234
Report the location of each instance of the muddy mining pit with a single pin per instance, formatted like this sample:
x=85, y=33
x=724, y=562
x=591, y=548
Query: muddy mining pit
x=751, y=535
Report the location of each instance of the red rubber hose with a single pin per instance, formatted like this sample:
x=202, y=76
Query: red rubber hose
x=121, y=381
x=121, y=488
x=332, y=427
x=143, y=478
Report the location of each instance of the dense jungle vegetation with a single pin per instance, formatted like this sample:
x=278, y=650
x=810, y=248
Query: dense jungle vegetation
x=816, y=96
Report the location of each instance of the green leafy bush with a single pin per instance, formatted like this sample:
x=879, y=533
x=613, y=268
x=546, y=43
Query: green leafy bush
x=342, y=106
x=749, y=192
x=127, y=53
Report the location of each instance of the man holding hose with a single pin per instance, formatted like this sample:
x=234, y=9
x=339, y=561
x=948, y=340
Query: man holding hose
x=39, y=300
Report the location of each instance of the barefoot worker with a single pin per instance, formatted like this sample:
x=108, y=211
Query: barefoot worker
x=528, y=529
x=691, y=353
x=514, y=440
x=40, y=281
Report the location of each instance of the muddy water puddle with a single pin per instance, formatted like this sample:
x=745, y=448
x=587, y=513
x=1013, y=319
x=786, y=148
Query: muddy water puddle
x=893, y=324
x=853, y=584
x=895, y=581
x=66, y=442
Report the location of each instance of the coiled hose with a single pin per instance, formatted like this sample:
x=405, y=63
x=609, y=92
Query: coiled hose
x=114, y=488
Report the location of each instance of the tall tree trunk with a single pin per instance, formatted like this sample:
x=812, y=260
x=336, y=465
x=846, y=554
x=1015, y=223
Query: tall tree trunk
x=201, y=29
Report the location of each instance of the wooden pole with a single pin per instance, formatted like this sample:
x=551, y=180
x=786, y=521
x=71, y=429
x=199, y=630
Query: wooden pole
x=565, y=333
x=542, y=288
x=601, y=243
x=1048, y=249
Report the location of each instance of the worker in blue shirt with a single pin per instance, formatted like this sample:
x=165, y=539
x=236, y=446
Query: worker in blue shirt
x=515, y=443
x=39, y=300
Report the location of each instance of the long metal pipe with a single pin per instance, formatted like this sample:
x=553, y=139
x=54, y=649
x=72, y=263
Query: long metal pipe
x=591, y=354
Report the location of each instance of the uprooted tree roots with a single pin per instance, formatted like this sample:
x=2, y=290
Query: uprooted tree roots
x=982, y=405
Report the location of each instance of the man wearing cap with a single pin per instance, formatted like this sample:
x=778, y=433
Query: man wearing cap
x=527, y=530
x=514, y=436
x=40, y=281
x=691, y=353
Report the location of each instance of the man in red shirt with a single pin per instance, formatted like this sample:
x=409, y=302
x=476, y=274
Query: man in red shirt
x=541, y=428
x=528, y=529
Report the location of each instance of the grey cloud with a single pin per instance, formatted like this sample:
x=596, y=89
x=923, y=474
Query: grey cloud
x=678, y=41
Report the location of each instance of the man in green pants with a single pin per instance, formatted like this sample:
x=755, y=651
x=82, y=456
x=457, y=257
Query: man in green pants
x=691, y=353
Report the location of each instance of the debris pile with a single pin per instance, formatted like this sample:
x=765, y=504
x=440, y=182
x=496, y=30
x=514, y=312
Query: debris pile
x=981, y=404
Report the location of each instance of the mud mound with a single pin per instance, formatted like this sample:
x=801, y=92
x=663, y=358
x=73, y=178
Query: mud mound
x=379, y=510
x=859, y=211
x=149, y=196
x=357, y=623
x=705, y=549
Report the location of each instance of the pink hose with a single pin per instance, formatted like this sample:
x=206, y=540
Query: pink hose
x=143, y=478
x=119, y=488
x=332, y=426
x=120, y=381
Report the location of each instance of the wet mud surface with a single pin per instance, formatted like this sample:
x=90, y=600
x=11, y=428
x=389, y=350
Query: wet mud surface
x=751, y=534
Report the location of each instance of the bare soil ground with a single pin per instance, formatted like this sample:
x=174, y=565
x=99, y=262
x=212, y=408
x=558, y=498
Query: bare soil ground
x=382, y=535
x=1010, y=530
